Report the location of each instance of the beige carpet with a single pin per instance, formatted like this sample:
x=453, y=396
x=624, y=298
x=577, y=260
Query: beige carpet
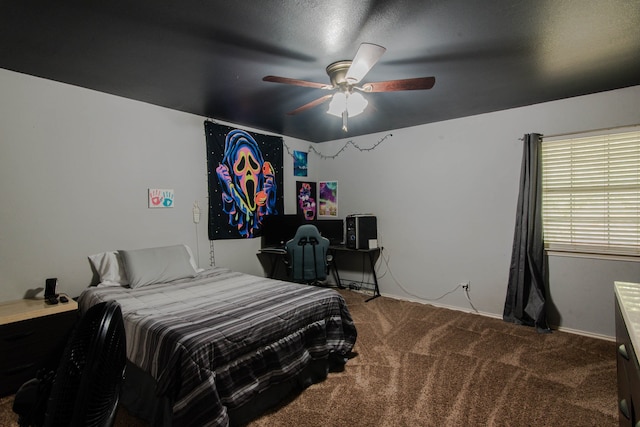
x=418, y=365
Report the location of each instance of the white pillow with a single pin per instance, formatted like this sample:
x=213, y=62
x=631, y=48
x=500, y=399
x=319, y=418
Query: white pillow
x=192, y=260
x=157, y=265
x=110, y=269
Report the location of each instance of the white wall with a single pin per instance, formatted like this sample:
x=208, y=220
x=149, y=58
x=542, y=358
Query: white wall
x=445, y=196
x=75, y=166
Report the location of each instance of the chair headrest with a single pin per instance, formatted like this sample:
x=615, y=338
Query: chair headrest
x=307, y=230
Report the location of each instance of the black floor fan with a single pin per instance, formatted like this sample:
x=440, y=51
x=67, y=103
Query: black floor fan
x=86, y=386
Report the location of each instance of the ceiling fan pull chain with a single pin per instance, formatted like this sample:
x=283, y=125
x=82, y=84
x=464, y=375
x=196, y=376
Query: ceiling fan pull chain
x=345, y=114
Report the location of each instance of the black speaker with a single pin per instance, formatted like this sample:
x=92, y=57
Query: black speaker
x=50, y=291
x=361, y=229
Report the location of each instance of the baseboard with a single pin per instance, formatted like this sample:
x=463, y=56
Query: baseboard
x=497, y=316
x=584, y=333
x=439, y=304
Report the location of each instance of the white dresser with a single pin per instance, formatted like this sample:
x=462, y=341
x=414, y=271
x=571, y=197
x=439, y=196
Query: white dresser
x=628, y=340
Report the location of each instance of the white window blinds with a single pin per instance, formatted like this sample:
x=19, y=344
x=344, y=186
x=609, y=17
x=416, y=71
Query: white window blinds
x=591, y=194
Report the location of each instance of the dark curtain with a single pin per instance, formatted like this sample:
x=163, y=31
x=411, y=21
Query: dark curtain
x=525, y=302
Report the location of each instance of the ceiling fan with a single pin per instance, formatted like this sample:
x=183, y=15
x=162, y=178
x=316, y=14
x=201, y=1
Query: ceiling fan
x=346, y=76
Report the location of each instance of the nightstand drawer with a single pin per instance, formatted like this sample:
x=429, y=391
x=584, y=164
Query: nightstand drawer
x=28, y=344
x=33, y=339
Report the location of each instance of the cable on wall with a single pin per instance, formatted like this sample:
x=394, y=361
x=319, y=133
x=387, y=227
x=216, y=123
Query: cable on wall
x=386, y=262
x=212, y=255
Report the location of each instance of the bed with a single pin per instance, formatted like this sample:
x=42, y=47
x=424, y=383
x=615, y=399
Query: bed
x=214, y=345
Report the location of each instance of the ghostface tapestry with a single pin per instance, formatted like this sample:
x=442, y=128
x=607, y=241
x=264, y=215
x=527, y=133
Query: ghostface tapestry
x=245, y=172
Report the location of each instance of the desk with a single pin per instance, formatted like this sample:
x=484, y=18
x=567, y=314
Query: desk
x=371, y=254
x=277, y=255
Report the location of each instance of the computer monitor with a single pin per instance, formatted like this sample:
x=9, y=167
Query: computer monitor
x=332, y=229
x=277, y=230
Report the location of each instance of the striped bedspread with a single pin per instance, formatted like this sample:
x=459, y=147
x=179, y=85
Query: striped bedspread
x=216, y=341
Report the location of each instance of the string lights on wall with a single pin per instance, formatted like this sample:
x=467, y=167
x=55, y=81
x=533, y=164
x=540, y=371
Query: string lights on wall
x=350, y=142
x=311, y=148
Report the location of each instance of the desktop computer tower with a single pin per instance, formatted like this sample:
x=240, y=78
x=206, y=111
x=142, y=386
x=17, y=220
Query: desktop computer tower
x=362, y=232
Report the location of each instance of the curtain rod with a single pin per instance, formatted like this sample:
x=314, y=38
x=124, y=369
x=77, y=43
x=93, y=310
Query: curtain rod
x=588, y=131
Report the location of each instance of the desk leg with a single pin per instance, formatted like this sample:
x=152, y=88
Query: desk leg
x=376, y=289
x=336, y=275
x=274, y=265
x=275, y=260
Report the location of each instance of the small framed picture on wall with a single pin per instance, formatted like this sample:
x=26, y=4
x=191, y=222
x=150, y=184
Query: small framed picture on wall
x=161, y=197
x=299, y=163
x=328, y=199
x=306, y=207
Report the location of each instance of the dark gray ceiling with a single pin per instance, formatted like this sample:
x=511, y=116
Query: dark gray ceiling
x=208, y=57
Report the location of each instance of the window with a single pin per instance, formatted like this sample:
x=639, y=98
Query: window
x=591, y=194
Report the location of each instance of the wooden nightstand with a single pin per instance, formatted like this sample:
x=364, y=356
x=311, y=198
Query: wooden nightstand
x=30, y=331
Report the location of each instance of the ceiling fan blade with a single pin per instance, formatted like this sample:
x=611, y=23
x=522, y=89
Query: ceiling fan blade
x=311, y=104
x=419, y=83
x=366, y=57
x=296, y=82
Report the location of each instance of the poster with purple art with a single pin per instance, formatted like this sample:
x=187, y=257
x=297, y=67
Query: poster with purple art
x=299, y=163
x=328, y=199
x=306, y=196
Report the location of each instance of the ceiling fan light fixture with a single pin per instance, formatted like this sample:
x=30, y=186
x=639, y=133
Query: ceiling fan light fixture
x=338, y=104
x=356, y=103
x=353, y=103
